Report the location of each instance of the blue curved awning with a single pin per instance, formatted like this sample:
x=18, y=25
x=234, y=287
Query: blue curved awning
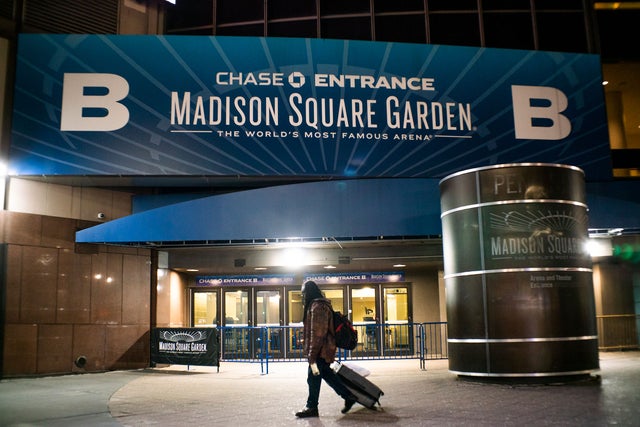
x=347, y=208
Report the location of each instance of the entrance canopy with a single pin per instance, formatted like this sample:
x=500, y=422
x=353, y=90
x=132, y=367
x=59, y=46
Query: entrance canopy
x=356, y=209
x=347, y=209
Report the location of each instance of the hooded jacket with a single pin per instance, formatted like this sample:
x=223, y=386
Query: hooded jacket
x=319, y=339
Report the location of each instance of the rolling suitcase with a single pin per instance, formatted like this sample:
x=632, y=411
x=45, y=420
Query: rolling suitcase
x=366, y=392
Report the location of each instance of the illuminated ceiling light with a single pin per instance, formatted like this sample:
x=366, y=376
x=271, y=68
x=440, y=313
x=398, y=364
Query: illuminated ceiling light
x=399, y=265
x=604, y=83
x=260, y=268
x=109, y=279
x=294, y=257
x=98, y=276
x=603, y=5
x=328, y=267
x=192, y=269
x=598, y=247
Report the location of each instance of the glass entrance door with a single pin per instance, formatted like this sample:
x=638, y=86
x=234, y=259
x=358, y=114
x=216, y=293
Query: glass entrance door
x=205, y=309
x=269, y=315
x=236, y=307
x=268, y=308
x=295, y=315
x=398, y=337
x=364, y=315
x=237, y=318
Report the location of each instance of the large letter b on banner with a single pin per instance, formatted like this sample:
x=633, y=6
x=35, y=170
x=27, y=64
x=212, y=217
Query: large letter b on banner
x=84, y=111
x=541, y=121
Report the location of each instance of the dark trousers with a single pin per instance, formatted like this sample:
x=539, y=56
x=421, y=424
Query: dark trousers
x=315, y=381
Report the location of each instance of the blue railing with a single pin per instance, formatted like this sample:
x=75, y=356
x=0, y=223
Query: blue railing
x=265, y=344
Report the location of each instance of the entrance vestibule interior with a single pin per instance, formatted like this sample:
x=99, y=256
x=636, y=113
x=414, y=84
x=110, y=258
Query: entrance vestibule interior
x=273, y=308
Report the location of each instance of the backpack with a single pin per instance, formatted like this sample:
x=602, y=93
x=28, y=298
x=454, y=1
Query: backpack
x=344, y=332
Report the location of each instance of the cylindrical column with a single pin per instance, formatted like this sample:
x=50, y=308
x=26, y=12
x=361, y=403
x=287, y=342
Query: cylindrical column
x=518, y=276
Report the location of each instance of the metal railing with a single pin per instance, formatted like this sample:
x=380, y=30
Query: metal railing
x=265, y=344
x=421, y=341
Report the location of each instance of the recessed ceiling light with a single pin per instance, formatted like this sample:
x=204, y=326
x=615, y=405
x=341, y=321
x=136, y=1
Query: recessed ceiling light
x=399, y=265
x=613, y=5
x=192, y=269
x=329, y=266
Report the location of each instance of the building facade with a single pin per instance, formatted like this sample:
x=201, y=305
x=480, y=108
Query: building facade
x=67, y=296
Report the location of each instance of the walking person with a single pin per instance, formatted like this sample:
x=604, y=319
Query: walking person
x=320, y=350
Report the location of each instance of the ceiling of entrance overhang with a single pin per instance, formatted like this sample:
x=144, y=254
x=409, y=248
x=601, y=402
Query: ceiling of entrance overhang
x=317, y=211
x=322, y=257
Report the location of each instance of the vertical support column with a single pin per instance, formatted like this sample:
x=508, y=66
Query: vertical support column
x=518, y=276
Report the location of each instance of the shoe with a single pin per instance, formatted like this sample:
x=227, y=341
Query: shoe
x=348, y=404
x=307, y=413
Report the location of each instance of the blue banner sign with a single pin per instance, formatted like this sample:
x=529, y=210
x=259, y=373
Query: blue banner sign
x=245, y=106
x=354, y=278
x=258, y=280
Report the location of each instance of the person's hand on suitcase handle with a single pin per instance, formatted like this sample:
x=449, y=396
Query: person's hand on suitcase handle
x=314, y=369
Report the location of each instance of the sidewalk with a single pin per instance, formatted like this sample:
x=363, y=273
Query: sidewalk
x=239, y=395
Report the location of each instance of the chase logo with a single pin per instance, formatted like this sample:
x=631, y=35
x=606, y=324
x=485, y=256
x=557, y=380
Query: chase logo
x=296, y=79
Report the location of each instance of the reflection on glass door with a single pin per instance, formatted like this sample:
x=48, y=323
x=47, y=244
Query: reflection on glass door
x=398, y=335
x=365, y=318
x=205, y=310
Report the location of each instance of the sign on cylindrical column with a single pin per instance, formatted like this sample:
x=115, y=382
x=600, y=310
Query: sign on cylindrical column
x=518, y=276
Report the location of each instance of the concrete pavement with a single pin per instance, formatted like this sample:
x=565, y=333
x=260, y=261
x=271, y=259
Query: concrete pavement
x=239, y=394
